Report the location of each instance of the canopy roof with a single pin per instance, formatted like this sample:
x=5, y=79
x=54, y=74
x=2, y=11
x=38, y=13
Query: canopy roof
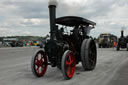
x=74, y=21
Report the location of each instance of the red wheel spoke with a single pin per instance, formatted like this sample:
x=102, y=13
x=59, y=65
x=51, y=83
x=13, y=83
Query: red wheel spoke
x=70, y=59
x=67, y=63
x=72, y=62
x=36, y=63
x=68, y=70
x=41, y=62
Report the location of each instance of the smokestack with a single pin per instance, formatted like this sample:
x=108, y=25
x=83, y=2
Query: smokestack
x=52, y=16
x=122, y=33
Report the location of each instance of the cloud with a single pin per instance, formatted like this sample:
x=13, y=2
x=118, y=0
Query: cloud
x=26, y=17
x=26, y=8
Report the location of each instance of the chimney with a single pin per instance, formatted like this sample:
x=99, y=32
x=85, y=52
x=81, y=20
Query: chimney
x=122, y=33
x=52, y=16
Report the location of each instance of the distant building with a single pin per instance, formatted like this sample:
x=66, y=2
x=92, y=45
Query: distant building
x=10, y=39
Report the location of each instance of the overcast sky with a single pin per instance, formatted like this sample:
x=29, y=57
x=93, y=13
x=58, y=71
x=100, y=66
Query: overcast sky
x=30, y=17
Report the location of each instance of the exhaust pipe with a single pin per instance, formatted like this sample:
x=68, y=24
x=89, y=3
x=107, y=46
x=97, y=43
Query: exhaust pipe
x=122, y=33
x=52, y=16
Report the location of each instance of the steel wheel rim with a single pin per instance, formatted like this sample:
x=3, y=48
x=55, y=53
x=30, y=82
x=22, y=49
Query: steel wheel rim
x=70, y=65
x=40, y=64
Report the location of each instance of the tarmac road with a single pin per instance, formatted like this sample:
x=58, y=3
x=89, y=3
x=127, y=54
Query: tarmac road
x=15, y=69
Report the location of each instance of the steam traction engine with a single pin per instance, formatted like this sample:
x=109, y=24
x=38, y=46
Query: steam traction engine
x=122, y=42
x=69, y=44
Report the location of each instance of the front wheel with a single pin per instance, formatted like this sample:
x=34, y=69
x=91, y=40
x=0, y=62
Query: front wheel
x=39, y=63
x=68, y=64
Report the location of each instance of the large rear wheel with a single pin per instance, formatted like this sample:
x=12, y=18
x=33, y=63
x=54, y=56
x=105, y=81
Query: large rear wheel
x=88, y=54
x=39, y=63
x=68, y=64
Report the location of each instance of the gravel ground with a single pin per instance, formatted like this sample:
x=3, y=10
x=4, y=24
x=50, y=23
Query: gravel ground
x=15, y=69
